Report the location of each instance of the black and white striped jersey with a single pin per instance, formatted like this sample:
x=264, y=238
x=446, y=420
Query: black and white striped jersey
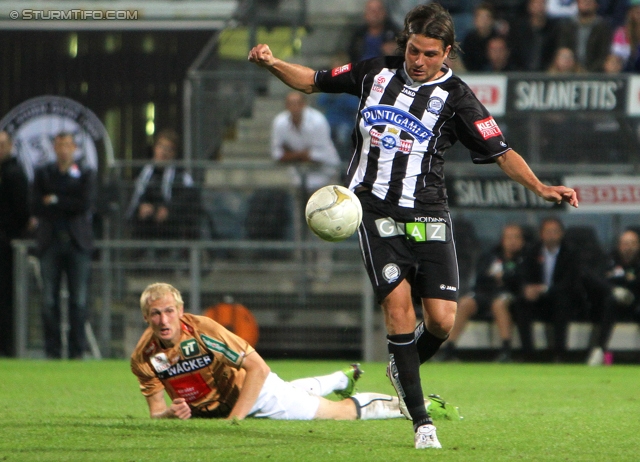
x=404, y=129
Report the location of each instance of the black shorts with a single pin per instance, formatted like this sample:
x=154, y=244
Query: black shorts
x=412, y=243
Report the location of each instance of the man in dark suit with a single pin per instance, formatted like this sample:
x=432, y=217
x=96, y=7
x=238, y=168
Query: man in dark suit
x=14, y=215
x=551, y=287
x=63, y=202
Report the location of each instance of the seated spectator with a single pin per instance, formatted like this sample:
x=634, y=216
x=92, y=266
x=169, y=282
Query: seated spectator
x=588, y=35
x=622, y=274
x=550, y=287
x=497, y=286
x=614, y=64
x=498, y=55
x=474, y=44
x=564, y=62
x=340, y=109
x=533, y=38
x=626, y=38
x=165, y=203
x=597, y=304
x=301, y=137
x=376, y=37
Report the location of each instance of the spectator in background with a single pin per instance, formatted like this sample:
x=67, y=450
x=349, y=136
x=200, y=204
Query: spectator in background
x=564, y=62
x=626, y=38
x=613, y=64
x=598, y=306
x=63, y=203
x=497, y=286
x=624, y=276
x=533, y=38
x=301, y=136
x=376, y=37
x=551, y=287
x=498, y=55
x=14, y=216
x=588, y=36
x=474, y=44
x=165, y=203
x=340, y=110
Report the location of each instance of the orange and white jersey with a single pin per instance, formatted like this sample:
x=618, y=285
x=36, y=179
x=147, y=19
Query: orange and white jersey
x=204, y=368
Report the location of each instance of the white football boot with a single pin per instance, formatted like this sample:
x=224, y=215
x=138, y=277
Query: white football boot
x=425, y=437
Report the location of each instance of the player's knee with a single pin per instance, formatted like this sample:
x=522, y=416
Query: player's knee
x=399, y=319
x=441, y=325
x=337, y=410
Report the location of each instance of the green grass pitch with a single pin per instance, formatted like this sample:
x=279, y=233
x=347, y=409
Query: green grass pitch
x=92, y=410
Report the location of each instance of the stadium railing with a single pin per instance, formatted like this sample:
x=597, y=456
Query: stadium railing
x=305, y=306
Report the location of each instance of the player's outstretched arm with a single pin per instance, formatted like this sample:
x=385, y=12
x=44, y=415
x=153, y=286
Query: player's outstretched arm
x=158, y=409
x=257, y=372
x=294, y=75
x=518, y=170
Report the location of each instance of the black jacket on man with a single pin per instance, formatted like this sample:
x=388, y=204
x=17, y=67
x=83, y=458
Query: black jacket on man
x=558, y=304
x=14, y=200
x=76, y=190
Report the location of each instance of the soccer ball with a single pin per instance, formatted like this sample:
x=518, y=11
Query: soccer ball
x=333, y=213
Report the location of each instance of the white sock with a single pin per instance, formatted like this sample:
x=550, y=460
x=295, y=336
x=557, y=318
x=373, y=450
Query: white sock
x=372, y=406
x=322, y=385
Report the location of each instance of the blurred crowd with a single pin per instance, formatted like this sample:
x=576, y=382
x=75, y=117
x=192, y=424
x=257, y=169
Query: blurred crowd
x=556, y=36
x=555, y=276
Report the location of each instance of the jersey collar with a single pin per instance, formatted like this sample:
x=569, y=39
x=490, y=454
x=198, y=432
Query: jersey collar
x=410, y=82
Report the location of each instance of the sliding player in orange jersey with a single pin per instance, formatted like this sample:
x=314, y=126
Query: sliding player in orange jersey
x=208, y=371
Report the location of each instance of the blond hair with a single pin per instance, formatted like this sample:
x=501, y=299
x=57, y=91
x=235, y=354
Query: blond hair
x=156, y=291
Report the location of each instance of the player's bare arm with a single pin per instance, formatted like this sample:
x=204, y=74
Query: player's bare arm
x=294, y=75
x=257, y=372
x=179, y=409
x=518, y=170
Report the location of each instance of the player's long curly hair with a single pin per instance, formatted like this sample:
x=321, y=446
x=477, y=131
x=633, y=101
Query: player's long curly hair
x=430, y=20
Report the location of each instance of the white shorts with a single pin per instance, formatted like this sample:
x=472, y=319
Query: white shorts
x=282, y=401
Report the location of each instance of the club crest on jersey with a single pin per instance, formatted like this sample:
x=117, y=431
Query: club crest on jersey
x=488, y=128
x=382, y=114
x=435, y=105
x=160, y=362
x=390, y=141
x=340, y=70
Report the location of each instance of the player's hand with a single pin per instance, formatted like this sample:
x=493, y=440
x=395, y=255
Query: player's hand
x=261, y=55
x=559, y=194
x=180, y=409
